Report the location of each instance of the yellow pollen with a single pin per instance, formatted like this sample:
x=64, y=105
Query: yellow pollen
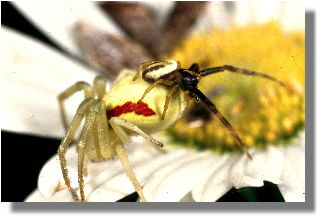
x=230, y=141
x=261, y=111
x=264, y=100
x=270, y=136
x=287, y=124
x=219, y=132
x=255, y=128
x=248, y=140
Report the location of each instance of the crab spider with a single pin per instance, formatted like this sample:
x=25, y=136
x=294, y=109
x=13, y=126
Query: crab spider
x=141, y=103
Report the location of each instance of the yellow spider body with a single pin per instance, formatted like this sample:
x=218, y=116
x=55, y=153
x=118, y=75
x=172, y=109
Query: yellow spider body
x=139, y=102
x=124, y=90
x=111, y=117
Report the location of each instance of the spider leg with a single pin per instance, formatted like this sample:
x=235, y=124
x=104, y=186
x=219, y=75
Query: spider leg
x=103, y=135
x=93, y=148
x=81, y=112
x=168, y=95
x=100, y=86
x=79, y=86
x=123, y=156
x=93, y=151
x=128, y=169
x=220, y=116
x=94, y=109
x=97, y=145
x=120, y=122
x=233, y=69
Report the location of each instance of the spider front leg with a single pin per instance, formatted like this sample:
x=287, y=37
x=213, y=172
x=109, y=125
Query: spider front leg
x=99, y=86
x=89, y=122
x=79, y=86
x=89, y=108
x=117, y=125
x=89, y=91
x=80, y=114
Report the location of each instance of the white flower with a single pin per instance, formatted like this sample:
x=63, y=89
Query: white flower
x=177, y=175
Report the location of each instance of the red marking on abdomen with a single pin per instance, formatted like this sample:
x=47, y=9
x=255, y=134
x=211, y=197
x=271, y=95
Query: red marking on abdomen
x=140, y=109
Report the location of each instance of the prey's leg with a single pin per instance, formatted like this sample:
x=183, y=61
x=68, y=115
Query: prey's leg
x=168, y=97
x=194, y=68
x=237, y=70
x=160, y=81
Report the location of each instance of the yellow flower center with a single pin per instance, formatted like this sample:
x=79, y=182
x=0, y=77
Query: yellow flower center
x=261, y=111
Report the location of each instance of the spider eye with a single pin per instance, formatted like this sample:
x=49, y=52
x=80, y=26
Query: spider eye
x=157, y=69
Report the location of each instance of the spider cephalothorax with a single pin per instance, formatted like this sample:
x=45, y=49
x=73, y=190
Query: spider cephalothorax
x=142, y=102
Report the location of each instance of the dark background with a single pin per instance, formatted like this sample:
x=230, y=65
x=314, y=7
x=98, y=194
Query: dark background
x=22, y=156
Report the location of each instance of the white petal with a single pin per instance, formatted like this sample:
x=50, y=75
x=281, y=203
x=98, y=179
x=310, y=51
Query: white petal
x=293, y=175
x=61, y=196
x=265, y=11
x=238, y=176
x=35, y=196
x=50, y=177
x=256, y=12
x=243, y=14
x=32, y=76
x=199, y=188
x=293, y=15
x=176, y=178
x=187, y=177
x=290, y=14
x=215, y=15
x=142, y=169
x=56, y=19
x=267, y=165
x=217, y=182
x=111, y=183
x=51, y=183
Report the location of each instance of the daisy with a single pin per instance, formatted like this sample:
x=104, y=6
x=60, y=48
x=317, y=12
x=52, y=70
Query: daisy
x=176, y=175
x=269, y=119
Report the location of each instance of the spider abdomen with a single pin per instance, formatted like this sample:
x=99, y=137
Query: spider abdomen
x=122, y=101
x=138, y=108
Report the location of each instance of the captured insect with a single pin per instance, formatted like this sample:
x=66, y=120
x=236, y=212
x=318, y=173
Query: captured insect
x=139, y=102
